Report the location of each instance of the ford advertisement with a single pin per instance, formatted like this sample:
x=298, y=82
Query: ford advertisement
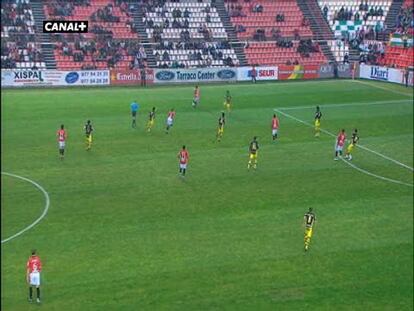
x=195, y=75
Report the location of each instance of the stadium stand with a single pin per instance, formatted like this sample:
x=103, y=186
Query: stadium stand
x=304, y=52
x=281, y=22
x=283, y=17
x=19, y=46
x=112, y=41
x=398, y=57
x=353, y=22
x=188, y=34
x=400, y=51
x=339, y=49
x=200, y=33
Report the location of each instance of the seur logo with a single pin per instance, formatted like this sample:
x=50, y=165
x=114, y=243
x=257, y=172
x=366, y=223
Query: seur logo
x=72, y=77
x=226, y=74
x=165, y=75
x=379, y=73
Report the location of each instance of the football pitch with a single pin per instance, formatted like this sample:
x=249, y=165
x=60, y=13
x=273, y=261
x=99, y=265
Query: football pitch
x=124, y=231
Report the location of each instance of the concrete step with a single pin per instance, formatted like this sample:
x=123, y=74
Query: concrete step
x=231, y=34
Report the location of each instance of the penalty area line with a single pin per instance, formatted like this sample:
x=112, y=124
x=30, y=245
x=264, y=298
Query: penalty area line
x=45, y=210
x=350, y=164
x=381, y=102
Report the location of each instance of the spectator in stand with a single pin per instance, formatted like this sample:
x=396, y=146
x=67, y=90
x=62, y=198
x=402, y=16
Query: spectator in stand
x=325, y=12
x=378, y=29
x=346, y=58
x=296, y=34
x=257, y=8
x=165, y=56
x=275, y=32
x=371, y=11
x=280, y=18
x=186, y=13
x=228, y=62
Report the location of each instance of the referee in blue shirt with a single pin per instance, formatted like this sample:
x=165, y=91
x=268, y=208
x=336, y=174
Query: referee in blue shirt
x=134, y=109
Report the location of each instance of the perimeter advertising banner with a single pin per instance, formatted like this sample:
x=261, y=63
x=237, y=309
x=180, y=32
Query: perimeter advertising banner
x=131, y=77
x=345, y=70
x=384, y=74
x=194, y=75
x=298, y=72
x=326, y=71
x=21, y=78
x=262, y=73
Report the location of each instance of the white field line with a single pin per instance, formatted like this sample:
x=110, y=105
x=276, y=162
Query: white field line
x=350, y=164
x=359, y=145
x=381, y=102
x=381, y=87
x=44, y=210
x=377, y=176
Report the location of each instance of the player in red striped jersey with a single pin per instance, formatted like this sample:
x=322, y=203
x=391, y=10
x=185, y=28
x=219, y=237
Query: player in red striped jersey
x=340, y=142
x=170, y=120
x=61, y=136
x=183, y=158
x=33, y=269
x=275, y=126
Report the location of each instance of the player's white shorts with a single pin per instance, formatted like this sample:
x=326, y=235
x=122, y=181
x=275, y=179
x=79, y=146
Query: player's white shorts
x=339, y=148
x=34, y=278
x=61, y=145
x=274, y=132
x=170, y=121
x=183, y=166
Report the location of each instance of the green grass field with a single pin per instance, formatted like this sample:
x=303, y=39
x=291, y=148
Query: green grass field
x=125, y=232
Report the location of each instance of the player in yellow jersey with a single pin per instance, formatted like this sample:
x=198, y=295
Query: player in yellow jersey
x=253, y=150
x=220, y=128
x=310, y=219
x=88, y=132
x=227, y=101
x=318, y=116
x=151, y=119
x=353, y=142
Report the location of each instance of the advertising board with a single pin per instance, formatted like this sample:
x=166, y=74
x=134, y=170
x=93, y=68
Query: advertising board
x=194, y=75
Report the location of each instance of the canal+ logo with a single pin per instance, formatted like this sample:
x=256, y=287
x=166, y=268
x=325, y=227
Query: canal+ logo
x=65, y=26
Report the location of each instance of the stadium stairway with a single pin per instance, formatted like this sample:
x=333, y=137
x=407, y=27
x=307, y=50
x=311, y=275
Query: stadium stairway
x=228, y=26
x=44, y=38
x=138, y=16
x=353, y=54
x=391, y=18
x=326, y=50
x=318, y=23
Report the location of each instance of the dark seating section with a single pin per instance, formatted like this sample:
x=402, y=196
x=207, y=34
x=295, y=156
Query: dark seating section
x=19, y=46
x=112, y=40
x=187, y=34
